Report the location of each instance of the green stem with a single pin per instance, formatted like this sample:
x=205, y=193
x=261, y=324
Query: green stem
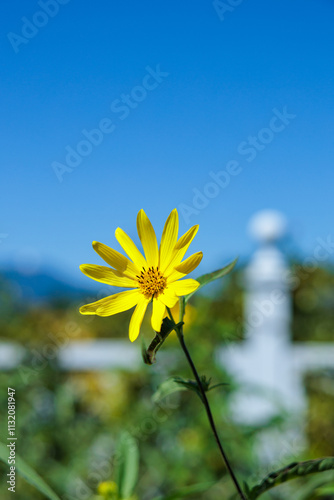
x=179, y=331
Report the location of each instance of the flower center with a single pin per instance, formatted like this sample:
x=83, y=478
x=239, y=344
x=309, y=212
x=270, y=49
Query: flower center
x=151, y=282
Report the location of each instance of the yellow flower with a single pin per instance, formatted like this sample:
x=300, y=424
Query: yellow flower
x=154, y=278
x=107, y=488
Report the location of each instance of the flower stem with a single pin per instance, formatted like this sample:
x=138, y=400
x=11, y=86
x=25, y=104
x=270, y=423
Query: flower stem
x=179, y=331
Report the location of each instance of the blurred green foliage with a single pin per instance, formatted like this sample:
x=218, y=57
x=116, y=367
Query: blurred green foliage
x=69, y=424
x=313, y=303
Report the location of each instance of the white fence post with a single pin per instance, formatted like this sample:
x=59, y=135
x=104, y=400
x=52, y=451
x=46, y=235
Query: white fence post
x=263, y=365
x=268, y=316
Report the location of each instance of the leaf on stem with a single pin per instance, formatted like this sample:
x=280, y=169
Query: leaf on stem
x=149, y=354
x=208, y=278
x=167, y=387
x=175, y=384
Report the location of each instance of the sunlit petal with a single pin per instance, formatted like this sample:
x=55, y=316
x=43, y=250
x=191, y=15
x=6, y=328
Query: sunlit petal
x=169, y=239
x=183, y=287
x=168, y=297
x=137, y=318
x=186, y=267
x=180, y=249
x=116, y=259
x=158, y=314
x=113, y=304
x=106, y=275
x=130, y=248
x=148, y=239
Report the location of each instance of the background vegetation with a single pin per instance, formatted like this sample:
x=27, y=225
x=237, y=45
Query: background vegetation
x=69, y=423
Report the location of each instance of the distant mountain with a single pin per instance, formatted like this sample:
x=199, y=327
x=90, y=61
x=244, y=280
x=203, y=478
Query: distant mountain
x=41, y=287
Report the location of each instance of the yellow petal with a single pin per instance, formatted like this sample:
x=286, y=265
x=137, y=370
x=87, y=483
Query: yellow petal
x=180, y=248
x=149, y=240
x=113, y=304
x=130, y=248
x=116, y=259
x=168, y=297
x=137, y=317
x=185, y=240
x=168, y=239
x=186, y=267
x=106, y=275
x=183, y=287
x=158, y=314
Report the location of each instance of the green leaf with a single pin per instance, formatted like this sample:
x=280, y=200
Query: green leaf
x=211, y=387
x=166, y=388
x=292, y=471
x=187, y=491
x=192, y=385
x=127, y=473
x=180, y=384
x=28, y=474
x=208, y=278
x=246, y=489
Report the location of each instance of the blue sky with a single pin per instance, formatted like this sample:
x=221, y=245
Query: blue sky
x=199, y=93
